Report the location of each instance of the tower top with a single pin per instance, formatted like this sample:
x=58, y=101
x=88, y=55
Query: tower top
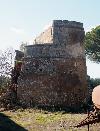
x=68, y=24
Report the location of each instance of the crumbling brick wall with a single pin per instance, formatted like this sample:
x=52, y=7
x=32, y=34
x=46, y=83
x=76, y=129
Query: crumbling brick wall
x=54, y=74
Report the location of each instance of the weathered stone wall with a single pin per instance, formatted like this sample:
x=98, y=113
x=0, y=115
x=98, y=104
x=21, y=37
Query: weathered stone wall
x=67, y=33
x=51, y=50
x=45, y=37
x=54, y=74
x=67, y=41
x=50, y=81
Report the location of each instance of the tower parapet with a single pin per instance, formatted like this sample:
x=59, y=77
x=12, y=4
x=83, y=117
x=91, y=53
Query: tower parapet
x=68, y=24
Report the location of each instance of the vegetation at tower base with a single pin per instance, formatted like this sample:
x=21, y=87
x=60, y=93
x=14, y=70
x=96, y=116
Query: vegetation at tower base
x=94, y=82
x=8, y=79
x=3, y=82
x=92, y=44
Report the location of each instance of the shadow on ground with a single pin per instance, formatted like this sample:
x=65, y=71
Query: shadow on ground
x=6, y=124
x=63, y=109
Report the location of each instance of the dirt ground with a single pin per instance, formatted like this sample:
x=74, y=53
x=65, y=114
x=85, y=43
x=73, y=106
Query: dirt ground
x=40, y=120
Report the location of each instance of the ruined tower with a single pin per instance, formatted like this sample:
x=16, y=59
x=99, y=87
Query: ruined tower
x=54, y=68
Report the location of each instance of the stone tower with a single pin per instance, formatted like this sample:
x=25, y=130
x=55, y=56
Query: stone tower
x=54, y=68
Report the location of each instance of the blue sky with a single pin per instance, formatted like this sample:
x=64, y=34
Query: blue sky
x=22, y=20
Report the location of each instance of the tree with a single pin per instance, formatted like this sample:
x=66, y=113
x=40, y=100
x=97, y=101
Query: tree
x=6, y=61
x=6, y=64
x=92, y=44
x=92, y=83
x=22, y=46
x=4, y=81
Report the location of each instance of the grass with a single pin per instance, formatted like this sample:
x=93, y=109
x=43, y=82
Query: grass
x=40, y=120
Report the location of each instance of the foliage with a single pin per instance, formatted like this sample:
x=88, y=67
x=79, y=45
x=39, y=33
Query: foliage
x=93, y=82
x=22, y=46
x=4, y=81
x=92, y=44
x=6, y=62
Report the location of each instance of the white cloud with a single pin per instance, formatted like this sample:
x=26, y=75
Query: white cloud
x=17, y=31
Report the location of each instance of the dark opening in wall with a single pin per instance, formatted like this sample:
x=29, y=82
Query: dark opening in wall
x=40, y=70
x=51, y=31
